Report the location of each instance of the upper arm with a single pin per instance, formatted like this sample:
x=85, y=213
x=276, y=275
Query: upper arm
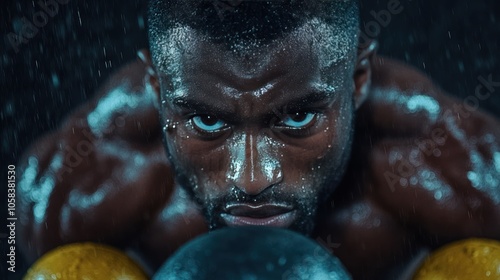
x=101, y=174
x=434, y=162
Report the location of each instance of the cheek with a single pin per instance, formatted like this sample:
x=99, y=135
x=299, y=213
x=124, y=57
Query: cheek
x=197, y=161
x=321, y=154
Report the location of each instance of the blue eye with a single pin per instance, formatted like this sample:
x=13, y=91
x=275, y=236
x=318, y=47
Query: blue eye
x=299, y=119
x=208, y=123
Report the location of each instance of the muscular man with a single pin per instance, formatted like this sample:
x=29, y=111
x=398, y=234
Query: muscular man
x=256, y=108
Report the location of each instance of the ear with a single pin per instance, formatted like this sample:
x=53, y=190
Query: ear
x=151, y=75
x=363, y=72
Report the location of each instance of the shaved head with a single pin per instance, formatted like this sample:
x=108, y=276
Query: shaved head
x=244, y=26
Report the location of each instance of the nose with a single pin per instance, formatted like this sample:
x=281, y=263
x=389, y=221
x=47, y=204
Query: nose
x=253, y=167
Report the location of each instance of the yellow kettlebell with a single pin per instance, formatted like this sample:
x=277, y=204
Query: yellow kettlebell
x=473, y=259
x=85, y=261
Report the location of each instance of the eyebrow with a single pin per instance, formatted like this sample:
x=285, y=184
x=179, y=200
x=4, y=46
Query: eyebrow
x=314, y=97
x=199, y=106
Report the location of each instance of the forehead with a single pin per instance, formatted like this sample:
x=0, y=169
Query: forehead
x=322, y=45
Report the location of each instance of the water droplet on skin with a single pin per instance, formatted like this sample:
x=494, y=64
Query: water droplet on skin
x=413, y=181
x=436, y=153
x=403, y=182
x=489, y=138
x=438, y=195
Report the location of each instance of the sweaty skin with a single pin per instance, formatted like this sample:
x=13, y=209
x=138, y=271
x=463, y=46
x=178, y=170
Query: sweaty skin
x=424, y=171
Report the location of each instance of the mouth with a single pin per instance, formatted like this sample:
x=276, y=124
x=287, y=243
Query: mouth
x=273, y=215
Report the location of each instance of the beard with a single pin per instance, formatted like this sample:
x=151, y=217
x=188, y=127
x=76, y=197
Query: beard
x=306, y=200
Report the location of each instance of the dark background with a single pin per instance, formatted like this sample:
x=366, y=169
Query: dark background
x=452, y=41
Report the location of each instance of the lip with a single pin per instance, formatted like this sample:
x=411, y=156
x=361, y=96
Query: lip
x=274, y=215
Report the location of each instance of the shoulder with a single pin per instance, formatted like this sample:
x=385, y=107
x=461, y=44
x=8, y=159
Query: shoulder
x=108, y=152
x=424, y=167
x=433, y=159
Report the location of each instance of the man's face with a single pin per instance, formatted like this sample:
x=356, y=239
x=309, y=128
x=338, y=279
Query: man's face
x=259, y=136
